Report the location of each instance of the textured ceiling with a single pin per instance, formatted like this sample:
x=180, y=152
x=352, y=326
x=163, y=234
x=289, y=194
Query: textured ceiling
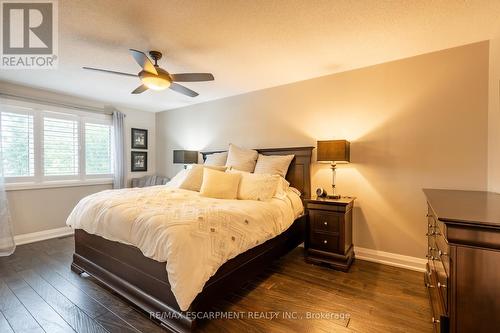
x=247, y=45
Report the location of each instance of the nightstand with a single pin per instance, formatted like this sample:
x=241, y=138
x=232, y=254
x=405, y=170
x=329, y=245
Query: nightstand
x=329, y=232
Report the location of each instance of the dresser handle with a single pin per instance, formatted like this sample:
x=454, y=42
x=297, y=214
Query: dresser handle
x=428, y=285
x=432, y=248
x=428, y=215
x=435, y=321
x=441, y=285
x=325, y=241
x=431, y=257
x=441, y=253
x=325, y=223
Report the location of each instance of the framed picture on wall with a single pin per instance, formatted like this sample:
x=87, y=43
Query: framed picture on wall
x=139, y=138
x=139, y=161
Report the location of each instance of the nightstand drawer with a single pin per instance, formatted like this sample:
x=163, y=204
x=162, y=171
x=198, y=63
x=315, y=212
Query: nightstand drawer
x=324, y=221
x=324, y=241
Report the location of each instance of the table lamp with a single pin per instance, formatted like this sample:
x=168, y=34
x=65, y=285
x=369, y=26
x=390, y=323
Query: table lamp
x=334, y=151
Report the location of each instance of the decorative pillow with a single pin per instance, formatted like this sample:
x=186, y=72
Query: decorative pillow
x=260, y=187
x=274, y=165
x=178, y=179
x=194, y=177
x=220, y=185
x=218, y=159
x=241, y=159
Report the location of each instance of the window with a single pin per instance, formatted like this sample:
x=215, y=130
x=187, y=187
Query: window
x=41, y=144
x=97, y=149
x=16, y=135
x=60, y=147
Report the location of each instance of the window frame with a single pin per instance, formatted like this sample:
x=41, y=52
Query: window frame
x=39, y=180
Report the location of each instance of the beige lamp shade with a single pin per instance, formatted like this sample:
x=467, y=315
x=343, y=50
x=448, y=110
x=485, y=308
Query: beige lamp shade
x=334, y=151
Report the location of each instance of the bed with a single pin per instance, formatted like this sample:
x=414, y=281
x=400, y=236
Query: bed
x=143, y=281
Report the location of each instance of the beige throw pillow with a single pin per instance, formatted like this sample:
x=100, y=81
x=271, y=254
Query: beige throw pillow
x=220, y=185
x=218, y=159
x=241, y=159
x=194, y=177
x=274, y=165
x=260, y=187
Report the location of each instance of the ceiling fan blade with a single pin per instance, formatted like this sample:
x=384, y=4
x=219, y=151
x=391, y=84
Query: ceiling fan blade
x=192, y=77
x=143, y=61
x=108, y=71
x=183, y=90
x=140, y=89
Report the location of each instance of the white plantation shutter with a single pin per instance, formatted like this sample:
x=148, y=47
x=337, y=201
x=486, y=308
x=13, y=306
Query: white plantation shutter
x=98, y=149
x=60, y=146
x=16, y=135
x=50, y=144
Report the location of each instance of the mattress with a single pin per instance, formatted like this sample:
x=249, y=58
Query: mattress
x=194, y=235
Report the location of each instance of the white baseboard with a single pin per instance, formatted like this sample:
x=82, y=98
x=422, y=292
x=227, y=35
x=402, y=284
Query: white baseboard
x=42, y=235
x=391, y=259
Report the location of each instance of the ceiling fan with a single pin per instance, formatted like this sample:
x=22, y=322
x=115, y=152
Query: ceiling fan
x=156, y=78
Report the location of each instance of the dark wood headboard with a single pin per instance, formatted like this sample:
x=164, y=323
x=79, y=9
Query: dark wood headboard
x=299, y=172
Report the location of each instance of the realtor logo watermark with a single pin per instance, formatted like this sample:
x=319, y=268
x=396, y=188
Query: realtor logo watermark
x=29, y=34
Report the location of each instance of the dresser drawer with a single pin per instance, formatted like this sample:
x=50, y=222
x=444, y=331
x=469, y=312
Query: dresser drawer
x=443, y=251
x=324, y=241
x=321, y=220
x=442, y=281
x=439, y=315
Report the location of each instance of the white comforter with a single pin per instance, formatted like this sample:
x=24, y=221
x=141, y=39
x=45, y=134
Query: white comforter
x=193, y=234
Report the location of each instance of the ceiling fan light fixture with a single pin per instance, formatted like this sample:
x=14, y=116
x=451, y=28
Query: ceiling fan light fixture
x=155, y=82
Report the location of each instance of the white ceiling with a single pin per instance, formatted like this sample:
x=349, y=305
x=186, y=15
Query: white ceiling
x=247, y=45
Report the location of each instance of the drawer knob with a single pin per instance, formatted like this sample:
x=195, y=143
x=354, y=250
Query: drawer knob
x=325, y=241
x=325, y=223
x=441, y=285
x=428, y=215
x=441, y=253
x=434, y=320
x=431, y=257
x=428, y=285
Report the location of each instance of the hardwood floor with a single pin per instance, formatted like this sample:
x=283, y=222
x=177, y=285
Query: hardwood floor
x=39, y=293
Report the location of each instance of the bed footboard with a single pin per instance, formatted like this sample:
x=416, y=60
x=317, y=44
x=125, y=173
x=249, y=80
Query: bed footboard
x=143, y=281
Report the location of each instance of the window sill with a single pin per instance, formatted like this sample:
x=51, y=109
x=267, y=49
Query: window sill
x=56, y=184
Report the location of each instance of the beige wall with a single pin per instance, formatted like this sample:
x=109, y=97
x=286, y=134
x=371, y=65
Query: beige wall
x=413, y=123
x=494, y=117
x=42, y=209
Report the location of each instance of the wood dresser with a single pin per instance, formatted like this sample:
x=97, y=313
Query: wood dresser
x=463, y=271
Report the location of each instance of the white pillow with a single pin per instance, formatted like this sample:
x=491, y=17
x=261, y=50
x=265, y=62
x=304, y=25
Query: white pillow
x=219, y=185
x=178, y=179
x=274, y=165
x=194, y=177
x=218, y=159
x=260, y=187
x=241, y=159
